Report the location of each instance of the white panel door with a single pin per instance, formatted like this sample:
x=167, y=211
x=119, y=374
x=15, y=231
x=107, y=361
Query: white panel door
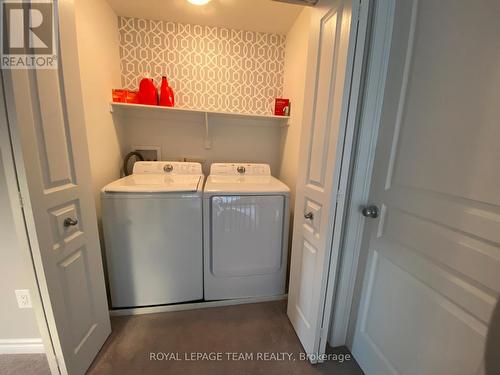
x=432, y=274
x=330, y=69
x=47, y=126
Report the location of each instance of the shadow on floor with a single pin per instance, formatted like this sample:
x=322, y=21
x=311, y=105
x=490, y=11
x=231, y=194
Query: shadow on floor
x=168, y=343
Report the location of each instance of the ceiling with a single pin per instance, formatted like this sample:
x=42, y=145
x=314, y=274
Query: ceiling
x=255, y=15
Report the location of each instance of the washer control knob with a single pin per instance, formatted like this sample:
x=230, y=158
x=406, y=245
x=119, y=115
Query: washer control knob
x=241, y=169
x=168, y=168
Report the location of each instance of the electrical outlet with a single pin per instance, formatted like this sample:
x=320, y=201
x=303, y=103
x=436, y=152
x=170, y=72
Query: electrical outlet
x=23, y=298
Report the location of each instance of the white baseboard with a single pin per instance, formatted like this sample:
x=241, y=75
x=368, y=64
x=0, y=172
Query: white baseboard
x=21, y=346
x=193, y=306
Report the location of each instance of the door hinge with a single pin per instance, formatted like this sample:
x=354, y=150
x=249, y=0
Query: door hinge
x=21, y=202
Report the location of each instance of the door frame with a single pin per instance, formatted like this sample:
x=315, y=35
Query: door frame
x=371, y=99
x=21, y=212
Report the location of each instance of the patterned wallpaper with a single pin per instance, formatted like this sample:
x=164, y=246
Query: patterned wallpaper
x=210, y=68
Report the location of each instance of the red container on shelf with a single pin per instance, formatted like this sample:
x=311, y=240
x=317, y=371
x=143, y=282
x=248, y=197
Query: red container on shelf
x=166, y=93
x=147, y=92
x=281, y=107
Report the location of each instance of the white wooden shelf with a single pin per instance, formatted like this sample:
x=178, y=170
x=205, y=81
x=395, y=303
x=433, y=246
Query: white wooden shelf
x=143, y=111
x=159, y=112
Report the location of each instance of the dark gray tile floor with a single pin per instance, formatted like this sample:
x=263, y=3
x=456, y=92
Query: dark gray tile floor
x=252, y=328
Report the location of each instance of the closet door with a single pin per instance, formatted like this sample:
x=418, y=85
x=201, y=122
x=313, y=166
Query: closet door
x=334, y=55
x=430, y=262
x=47, y=127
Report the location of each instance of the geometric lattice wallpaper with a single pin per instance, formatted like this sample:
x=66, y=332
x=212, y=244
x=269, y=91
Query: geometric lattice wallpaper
x=209, y=68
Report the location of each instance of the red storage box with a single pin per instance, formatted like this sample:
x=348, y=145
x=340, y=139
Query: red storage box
x=132, y=97
x=125, y=96
x=119, y=95
x=281, y=107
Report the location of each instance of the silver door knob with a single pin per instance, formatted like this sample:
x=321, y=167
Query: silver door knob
x=68, y=222
x=309, y=216
x=370, y=211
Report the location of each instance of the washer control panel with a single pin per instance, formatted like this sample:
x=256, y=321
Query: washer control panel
x=167, y=167
x=240, y=169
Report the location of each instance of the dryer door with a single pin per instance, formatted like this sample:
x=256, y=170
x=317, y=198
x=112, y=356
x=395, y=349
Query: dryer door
x=247, y=242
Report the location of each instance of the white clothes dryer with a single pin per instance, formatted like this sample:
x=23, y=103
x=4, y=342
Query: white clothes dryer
x=246, y=218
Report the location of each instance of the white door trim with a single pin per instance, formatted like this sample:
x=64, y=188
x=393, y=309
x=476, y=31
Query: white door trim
x=376, y=63
x=16, y=196
x=21, y=346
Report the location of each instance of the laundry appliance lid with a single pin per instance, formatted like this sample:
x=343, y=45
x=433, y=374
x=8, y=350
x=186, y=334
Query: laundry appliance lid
x=244, y=178
x=159, y=177
x=151, y=183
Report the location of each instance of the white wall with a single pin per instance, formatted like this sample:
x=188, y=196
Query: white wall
x=15, y=323
x=297, y=41
x=97, y=37
x=182, y=136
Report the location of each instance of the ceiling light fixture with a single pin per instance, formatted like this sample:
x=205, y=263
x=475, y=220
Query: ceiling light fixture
x=199, y=2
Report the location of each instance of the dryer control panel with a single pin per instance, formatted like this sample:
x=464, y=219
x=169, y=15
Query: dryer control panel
x=238, y=169
x=168, y=167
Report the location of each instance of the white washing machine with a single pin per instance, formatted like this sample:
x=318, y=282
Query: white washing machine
x=246, y=217
x=153, y=230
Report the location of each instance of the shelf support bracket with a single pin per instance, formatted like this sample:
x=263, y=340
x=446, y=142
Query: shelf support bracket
x=207, y=140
